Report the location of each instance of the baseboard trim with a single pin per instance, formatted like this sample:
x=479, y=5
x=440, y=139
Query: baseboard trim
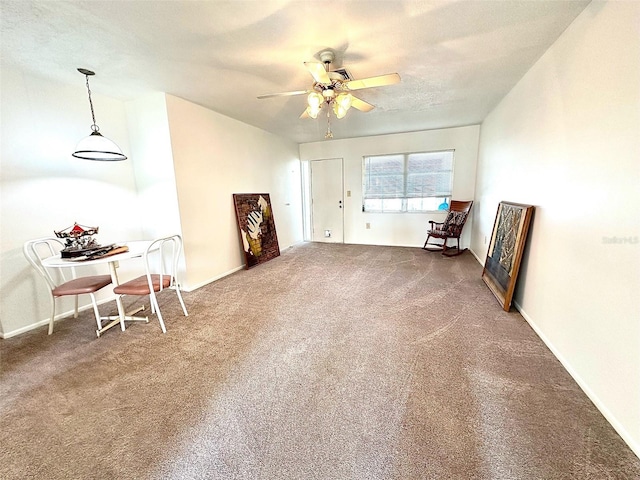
x=191, y=288
x=481, y=262
x=60, y=316
x=617, y=426
x=28, y=328
x=41, y=323
x=611, y=418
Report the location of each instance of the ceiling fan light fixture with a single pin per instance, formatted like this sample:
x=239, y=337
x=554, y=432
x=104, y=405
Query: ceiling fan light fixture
x=344, y=100
x=341, y=104
x=315, y=100
x=95, y=146
x=328, y=93
x=313, y=111
x=333, y=88
x=339, y=110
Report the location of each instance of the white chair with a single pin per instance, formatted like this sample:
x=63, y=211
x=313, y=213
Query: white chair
x=37, y=250
x=162, y=256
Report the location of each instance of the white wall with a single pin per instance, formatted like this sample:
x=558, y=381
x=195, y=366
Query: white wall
x=567, y=140
x=215, y=157
x=398, y=229
x=43, y=188
x=184, y=163
x=153, y=166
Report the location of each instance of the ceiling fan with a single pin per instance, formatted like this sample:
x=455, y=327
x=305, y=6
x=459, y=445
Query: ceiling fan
x=333, y=88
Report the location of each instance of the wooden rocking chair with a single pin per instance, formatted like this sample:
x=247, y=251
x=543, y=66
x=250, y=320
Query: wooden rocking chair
x=450, y=228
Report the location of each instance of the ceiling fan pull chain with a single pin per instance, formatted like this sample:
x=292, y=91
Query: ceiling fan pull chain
x=329, y=134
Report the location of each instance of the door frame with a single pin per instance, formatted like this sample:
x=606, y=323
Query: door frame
x=307, y=197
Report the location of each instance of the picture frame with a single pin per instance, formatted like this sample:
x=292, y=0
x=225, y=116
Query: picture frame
x=257, y=228
x=504, y=255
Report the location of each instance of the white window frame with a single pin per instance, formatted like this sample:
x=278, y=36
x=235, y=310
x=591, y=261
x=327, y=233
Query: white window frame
x=399, y=201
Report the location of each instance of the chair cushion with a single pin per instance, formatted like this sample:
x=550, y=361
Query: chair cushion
x=451, y=227
x=82, y=285
x=438, y=232
x=140, y=285
x=455, y=219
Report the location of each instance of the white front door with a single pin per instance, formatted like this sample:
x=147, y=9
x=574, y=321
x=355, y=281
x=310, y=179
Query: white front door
x=327, y=204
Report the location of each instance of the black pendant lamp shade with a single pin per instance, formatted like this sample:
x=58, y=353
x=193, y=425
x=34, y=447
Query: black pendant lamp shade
x=96, y=146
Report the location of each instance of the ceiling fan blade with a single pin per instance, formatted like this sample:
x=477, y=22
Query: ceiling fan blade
x=283, y=94
x=361, y=104
x=379, y=81
x=318, y=72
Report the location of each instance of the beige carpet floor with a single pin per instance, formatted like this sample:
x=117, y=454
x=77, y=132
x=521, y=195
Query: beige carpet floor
x=328, y=362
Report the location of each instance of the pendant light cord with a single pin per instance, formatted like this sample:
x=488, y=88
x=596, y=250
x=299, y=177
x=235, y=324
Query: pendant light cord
x=94, y=127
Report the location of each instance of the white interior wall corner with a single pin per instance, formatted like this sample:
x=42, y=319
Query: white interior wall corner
x=565, y=139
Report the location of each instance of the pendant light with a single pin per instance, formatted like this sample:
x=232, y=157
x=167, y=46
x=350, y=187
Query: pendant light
x=95, y=146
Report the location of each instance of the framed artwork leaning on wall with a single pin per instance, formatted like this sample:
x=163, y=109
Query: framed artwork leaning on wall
x=257, y=227
x=508, y=239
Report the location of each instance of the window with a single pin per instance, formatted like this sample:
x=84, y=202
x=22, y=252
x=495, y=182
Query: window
x=407, y=182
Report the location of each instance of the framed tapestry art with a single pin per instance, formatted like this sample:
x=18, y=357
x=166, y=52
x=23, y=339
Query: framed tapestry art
x=257, y=227
x=505, y=250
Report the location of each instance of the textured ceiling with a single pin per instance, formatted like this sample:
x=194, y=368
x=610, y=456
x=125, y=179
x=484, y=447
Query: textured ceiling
x=457, y=59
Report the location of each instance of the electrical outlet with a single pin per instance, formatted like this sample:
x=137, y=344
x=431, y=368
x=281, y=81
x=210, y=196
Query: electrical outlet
x=368, y=226
x=327, y=234
x=348, y=193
